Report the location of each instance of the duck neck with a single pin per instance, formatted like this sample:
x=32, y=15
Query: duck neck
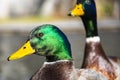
x=90, y=24
x=93, y=48
x=59, y=55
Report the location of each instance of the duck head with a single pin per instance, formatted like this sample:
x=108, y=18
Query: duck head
x=45, y=40
x=86, y=9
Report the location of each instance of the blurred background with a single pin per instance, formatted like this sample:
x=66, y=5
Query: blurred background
x=19, y=17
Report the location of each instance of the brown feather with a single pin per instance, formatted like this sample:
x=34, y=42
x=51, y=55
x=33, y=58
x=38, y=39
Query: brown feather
x=96, y=59
x=54, y=71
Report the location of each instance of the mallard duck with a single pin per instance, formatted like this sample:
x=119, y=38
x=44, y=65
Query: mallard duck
x=94, y=55
x=49, y=41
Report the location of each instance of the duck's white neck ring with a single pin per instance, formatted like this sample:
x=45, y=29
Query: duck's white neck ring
x=93, y=39
x=56, y=61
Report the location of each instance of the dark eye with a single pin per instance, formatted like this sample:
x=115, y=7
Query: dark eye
x=40, y=34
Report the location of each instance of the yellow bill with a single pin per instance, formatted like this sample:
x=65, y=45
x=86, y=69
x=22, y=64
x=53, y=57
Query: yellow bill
x=25, y=50
x=77, y=11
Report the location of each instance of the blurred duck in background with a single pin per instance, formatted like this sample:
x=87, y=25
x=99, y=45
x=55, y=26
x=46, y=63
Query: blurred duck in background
x=49, y=41
x=94, y=55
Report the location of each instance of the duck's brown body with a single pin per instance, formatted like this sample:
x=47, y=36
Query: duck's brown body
x=65, y=70
x=95, y=58
x=116, y=66
x=55, y=71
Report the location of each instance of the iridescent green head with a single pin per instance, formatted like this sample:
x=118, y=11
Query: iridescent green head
x=46, y=40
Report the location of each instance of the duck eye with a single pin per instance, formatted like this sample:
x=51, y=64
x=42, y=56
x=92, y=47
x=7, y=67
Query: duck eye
x=40, y=34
